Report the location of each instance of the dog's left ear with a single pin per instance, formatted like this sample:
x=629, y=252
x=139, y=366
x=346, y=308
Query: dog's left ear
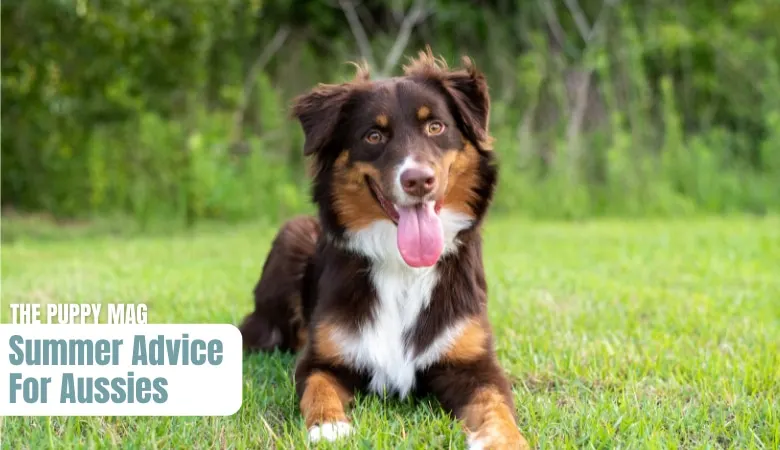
x=469, y=91
x=466, y=88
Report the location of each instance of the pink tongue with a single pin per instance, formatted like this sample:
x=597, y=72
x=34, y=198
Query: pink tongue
x=420, y=235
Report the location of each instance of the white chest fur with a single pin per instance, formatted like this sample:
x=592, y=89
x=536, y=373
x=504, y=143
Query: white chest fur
x=403, y=293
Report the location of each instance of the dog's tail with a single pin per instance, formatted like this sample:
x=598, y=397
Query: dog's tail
x=278, y=321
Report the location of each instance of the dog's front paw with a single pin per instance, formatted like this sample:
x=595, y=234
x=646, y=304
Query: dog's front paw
x=495, y=441
x=475, y=443
x=329, y=431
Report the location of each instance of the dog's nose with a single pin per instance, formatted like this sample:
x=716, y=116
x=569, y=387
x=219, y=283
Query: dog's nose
x=418, y=181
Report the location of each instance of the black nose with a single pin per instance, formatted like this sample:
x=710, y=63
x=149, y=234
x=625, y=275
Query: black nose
x=418, y=181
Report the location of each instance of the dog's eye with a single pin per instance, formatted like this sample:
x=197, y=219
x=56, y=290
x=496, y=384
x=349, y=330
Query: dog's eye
x=373, y=137
x=434, y=128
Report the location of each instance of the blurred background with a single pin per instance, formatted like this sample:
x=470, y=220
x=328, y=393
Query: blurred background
x=176, y=112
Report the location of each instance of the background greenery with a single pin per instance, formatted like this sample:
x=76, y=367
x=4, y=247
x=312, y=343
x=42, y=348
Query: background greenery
x=178, y=110
x=616, y=333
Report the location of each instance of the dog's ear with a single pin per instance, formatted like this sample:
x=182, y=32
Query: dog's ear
x=467, y=89
x=319, y=112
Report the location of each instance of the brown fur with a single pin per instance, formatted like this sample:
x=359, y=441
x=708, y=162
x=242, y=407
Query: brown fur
x=352, y=199
x=491, y=422
x=310, y=281
x=463, y=177
x=325, y=346
x=324, y=400
x=470, y=345
x=277, y=321
x=423, y=112
x=460, y=85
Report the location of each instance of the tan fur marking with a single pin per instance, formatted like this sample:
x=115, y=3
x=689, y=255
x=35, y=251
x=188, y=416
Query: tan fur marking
x=352, y=199
x=423, y=113
x=324, y=400
x=488, y=419
x=325, y=347
x=463, y=179
x=381, y=121
x=470, y=345
x=435, y=67
x=302, y=336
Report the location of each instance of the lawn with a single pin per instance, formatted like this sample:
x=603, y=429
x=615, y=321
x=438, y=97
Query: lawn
x=616, y=334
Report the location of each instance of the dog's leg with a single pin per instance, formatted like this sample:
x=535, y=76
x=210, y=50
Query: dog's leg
x=478, y=394
x=489, y=419
x=323, y=402
x=277, y=321
x=325, y=388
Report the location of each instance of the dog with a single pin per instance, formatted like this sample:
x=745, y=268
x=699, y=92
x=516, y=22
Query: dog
x=384, y=291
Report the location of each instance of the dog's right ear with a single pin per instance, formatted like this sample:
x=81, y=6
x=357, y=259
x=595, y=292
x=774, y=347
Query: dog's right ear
x=319, y=112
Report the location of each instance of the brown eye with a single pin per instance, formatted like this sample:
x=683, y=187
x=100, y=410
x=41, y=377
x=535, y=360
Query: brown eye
x=434, y=128
x=374, y=137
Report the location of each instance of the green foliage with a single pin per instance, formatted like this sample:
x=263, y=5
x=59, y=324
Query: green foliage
x=160, y=110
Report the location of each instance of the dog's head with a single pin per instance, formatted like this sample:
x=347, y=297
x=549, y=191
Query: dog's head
x=413, y=150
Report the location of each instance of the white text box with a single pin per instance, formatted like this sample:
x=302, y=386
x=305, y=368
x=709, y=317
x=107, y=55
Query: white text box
x=201, y=374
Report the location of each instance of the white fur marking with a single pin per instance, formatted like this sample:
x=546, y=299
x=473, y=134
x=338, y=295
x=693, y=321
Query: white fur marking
x=453, y=222
x=475, y=444
x=398, y=189
x=329, y=431
x=403, y=294
x=379, y=241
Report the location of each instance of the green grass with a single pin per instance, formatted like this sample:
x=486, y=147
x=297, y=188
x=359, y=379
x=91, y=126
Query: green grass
x=616, y=334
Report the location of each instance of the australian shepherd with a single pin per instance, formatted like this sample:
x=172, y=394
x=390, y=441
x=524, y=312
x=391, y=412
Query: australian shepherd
x=385, y=290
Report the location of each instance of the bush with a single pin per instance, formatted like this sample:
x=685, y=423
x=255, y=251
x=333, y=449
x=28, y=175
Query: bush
x=178, y=110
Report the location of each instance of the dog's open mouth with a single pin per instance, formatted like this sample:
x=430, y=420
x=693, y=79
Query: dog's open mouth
x=420, y=235
x=386, y=205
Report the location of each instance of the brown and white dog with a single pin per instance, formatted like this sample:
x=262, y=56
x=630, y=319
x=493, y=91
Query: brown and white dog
x=385, y=291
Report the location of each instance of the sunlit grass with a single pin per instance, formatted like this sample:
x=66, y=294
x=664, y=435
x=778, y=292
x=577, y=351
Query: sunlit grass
x=616, y=335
